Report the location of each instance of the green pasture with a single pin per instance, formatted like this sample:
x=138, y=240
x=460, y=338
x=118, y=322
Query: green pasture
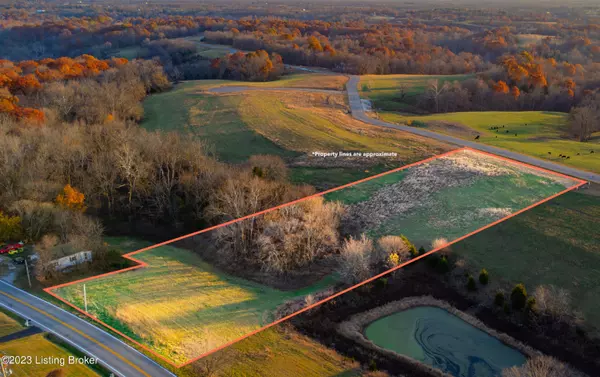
x=384, y=90
x=128, y=53
x=448, y=212
x=180, y=306
x=236, y=126
x=536, y=133
x=295, y=80
x=214, y=119
x=38, y=346
x=555, y=243
x=326, y=178
x=283, y=352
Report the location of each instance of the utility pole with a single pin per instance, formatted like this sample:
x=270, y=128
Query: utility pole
x=27, y=269
x=85, y=298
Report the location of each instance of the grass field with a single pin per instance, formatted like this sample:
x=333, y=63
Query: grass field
x=272, y=123
x=529, y=39
x=384, y=90
x=556, y=243
x=8, y=324
x=281, y=351
x=214, y=119
x=180, y=305
x=294, y=80
x=448, y=197
x=204, y=50
x=271, y=353
x=209, y=51
x=291, y=124
x=536, y=133
x=38, y=346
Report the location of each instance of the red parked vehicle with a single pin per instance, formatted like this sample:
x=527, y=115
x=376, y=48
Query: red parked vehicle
x=11, y=249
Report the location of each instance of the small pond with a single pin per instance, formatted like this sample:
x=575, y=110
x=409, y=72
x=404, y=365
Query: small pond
x=438, y=338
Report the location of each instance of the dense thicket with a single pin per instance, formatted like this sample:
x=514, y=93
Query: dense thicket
x=125, y=173
x=84, y=88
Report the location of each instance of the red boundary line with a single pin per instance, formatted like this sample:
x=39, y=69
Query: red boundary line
x=141, y=264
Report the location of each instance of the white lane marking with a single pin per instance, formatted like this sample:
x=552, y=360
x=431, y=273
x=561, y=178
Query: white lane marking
x=82, y=321
x=71, y=342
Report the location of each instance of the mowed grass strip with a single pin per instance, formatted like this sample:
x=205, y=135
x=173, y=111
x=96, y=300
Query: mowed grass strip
x=384, y=90
x=8, y=324
x=536, y=133
x=280, y=351
x=180, y=306
x=37, y=346
x=555, y=243
x=325, y=81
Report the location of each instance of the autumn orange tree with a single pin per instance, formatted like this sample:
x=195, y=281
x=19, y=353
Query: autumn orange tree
x=10, y=228
x=71, y=198
x=515, y=92
x=28, y=77
x=252, y=66
x=314, y=44
x=501, y=87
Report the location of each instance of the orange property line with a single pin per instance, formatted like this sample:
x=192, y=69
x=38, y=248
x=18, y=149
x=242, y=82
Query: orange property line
x=141, y=264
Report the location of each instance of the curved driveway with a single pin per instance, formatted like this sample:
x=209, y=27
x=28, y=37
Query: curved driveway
x=359, y=113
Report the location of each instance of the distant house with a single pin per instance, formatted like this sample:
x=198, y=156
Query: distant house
x=72, y=260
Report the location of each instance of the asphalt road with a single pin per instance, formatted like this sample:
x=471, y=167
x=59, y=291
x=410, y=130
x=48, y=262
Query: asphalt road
x=359, y=113
x=118, y=357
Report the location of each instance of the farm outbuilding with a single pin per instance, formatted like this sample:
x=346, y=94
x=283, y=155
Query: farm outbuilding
x=72, y=260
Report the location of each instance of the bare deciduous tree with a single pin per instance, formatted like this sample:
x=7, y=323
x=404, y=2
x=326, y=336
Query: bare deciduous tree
x=392, y=245
x=356, y=259
x=555, y=302
x=294, y=236
x=583, y=121
x=542, y=366
x=434, y=91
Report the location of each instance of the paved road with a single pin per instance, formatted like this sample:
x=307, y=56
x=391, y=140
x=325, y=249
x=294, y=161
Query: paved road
x=359, y=113
x=115, y=355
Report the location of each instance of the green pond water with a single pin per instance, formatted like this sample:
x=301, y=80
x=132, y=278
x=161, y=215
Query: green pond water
x=438, y=338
